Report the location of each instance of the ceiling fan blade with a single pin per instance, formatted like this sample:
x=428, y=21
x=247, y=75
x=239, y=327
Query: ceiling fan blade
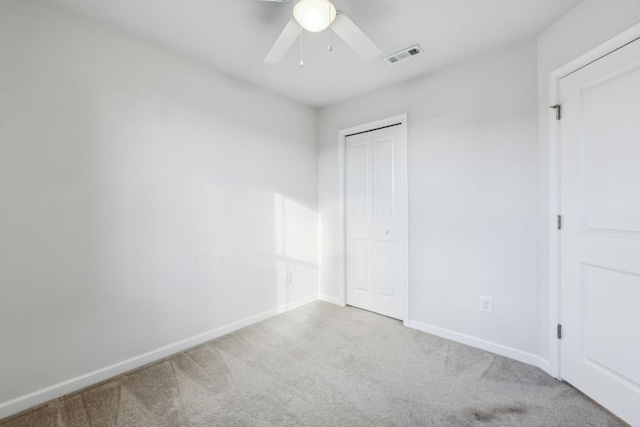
x=354, y=37
x=283, y=43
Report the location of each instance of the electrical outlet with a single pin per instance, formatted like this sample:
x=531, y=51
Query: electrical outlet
x=486, y=304
x=287, y=277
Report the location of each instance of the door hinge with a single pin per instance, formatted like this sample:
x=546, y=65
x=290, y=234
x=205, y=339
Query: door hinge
x=559, y=331
x=558, y=109
x=559, y=222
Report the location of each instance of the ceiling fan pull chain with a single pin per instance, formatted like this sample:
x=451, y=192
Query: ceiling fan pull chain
x=301, y=61
x=330, y=23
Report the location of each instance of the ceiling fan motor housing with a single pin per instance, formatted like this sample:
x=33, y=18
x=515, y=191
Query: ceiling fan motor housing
x=314, y=15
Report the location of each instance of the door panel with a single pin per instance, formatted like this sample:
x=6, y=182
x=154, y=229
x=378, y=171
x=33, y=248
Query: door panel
x=600, y=239
x=375, y=221
x=612, y=163
x=361, y=176
x=386, y=276
x=360, y=217
x=611, y=297
x=361, y=257
x=385, y=180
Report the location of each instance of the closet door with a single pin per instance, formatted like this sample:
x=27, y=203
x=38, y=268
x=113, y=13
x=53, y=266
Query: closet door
x=376, y=221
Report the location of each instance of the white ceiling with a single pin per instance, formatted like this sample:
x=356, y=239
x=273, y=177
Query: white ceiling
x=233, y=36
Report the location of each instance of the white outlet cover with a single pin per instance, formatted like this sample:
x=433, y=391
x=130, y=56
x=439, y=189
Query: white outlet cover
x=486, y=304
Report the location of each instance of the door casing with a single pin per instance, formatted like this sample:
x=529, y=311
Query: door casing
x=342, y=135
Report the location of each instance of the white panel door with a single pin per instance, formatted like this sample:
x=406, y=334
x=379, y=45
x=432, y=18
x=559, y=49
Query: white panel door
x=376, y=221
x=600, y=237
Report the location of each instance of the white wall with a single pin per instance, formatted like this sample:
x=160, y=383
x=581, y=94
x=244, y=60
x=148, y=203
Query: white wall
x=591, y=23
x=473, y=197
x=144, y=199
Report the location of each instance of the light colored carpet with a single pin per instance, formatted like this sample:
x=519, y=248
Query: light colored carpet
x=323, y=365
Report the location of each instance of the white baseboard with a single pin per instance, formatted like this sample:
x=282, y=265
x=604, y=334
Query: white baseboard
x=332, y=300
x=502, y=350
x=546, y=366
x=44, y=395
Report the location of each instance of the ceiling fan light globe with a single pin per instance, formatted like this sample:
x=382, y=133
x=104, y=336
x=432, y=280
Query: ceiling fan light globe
x=314, y=15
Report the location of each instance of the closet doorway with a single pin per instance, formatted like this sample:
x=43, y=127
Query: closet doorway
x=376, y=257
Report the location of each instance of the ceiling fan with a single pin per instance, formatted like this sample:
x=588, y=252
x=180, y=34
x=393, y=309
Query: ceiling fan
x=316, y=16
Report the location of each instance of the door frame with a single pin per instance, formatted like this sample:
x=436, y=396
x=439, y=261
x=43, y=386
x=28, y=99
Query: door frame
x=555, y=315
x=342, y=195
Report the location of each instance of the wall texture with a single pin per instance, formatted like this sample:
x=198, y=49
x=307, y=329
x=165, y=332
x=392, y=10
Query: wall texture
x=591, y=23
x=145, y=199
x=473, y=197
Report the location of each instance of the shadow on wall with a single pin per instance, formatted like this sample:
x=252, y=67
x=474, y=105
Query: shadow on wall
x=297, y=248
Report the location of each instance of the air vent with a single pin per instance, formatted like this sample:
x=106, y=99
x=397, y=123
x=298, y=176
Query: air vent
x=403, y=55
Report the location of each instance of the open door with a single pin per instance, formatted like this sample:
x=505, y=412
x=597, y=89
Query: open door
x=600, y=235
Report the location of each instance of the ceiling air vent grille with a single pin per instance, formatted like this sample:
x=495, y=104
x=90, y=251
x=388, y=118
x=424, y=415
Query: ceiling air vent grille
x=403, y=55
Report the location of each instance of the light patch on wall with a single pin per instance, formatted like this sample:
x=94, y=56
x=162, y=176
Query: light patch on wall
x=297, y=230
